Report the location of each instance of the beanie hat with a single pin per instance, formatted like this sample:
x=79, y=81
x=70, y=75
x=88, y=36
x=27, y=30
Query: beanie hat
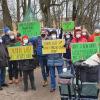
x=6, y=29
x=25, y=37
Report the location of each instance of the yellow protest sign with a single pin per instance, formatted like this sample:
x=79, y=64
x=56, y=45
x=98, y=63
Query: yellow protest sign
x=20, y=52
x=53, y=46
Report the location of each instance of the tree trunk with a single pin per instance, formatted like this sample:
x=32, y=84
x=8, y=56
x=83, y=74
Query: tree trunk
x=18, y=10
x=24, y=7
x=29, y=3
x=6, y=14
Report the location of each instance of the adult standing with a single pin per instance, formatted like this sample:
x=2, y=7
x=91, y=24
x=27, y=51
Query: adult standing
x=3, y=63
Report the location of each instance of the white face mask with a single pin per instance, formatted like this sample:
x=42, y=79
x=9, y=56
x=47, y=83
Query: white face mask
x=67, y=36
x=25, y=41
x=53, y=36
x=78, y=35
x=84, y=33
x=12, y=37
x=1, y=41
x=97, y=30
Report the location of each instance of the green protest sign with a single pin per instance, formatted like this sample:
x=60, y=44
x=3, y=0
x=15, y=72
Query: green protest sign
x=68, y=26
x=82, y=51
x=97, y=40
x=29, y=28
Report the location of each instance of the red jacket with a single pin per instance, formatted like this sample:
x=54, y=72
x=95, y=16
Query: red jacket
x=92, y=37
x=80, y=40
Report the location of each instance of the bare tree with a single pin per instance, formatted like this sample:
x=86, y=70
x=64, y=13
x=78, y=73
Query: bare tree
x=6, y=14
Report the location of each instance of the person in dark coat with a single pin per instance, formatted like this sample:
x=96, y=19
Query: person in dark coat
x=3, y=64
x=27, y=67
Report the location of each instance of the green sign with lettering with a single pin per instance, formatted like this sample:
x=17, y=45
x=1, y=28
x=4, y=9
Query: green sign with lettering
x=68, y=26
x=29, y=28
x=82, y=51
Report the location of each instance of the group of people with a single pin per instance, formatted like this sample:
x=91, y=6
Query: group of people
x=48, y=63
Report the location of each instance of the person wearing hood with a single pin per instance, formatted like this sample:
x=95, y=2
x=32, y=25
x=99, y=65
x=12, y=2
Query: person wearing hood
x=6, y=36
x=3, y=63
x=54, y=61
x=96, y=33
x=27, y=67
x=41, y=58
x=78, y=36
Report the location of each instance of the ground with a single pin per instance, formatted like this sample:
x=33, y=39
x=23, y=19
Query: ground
x=15, y=92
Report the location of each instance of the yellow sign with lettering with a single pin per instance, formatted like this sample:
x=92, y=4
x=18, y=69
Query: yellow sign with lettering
x=20, y=52
x=53, y=46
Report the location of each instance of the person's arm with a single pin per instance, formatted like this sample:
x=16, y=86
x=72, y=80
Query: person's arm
x=61, y=33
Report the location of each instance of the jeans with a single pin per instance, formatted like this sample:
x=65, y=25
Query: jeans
x=52, y=75
x=2, y=75
x=43, y=64
x=13, y=70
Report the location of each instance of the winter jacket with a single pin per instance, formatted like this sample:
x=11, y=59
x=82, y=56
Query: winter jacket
x=80, y=40
x=3, y=56
x=92, y=37
x=27, y=64
x=55, y=60
x=38, y=42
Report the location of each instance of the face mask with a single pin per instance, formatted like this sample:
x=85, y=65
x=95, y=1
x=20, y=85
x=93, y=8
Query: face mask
x=25, y=41
x=78, y=35
x=8, y=32
x=84, y=33
x=1, y=41
x=67, y=36
x=12, y=37
x=97, y=31
x=53, y=36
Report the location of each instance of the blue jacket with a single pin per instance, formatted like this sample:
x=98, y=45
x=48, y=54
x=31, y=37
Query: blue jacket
x=55, y=60
x=38, y=42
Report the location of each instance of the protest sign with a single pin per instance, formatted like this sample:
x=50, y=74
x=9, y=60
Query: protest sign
x=20, y=52
x=68, y=26
x=82, y=51
x=53, y=46
x=97, y=40
x=29, y=28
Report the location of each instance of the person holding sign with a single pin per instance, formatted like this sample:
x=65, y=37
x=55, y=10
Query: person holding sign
x=54, y=61
x=27, y=67
x=78, y=35
x=96, y=33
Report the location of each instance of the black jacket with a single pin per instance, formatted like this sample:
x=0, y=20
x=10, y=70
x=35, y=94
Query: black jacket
x=27, y=64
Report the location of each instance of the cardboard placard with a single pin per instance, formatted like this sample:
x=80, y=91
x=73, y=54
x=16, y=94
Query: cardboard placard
x=20, y=52
x=29, y=28
x=53, y=46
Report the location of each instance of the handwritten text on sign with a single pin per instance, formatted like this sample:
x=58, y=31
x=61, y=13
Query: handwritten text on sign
x=82, y=51
x=53, y=46
x=20, y=52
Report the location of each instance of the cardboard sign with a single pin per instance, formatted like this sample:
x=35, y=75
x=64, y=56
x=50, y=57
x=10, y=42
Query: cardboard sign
x=20, y=52
x=83, y=51
x=53, y=46
x=68, y=26
x=29, y=28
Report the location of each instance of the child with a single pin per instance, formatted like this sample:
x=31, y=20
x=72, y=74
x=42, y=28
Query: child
x=27, y=67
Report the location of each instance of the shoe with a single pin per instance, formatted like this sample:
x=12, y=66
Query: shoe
x=1, y=88
x=10, y=82
x=34, y=88
x=4, y=85
x=16, y=81
x=52, y=90
x=45, y=83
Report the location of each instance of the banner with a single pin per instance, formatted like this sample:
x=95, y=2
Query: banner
x=53, y=46
x=20, y=52
x=68, y=26
x=83, y=51
x=29, y=28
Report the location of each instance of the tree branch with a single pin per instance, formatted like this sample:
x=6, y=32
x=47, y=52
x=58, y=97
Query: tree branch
x=57, y=4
